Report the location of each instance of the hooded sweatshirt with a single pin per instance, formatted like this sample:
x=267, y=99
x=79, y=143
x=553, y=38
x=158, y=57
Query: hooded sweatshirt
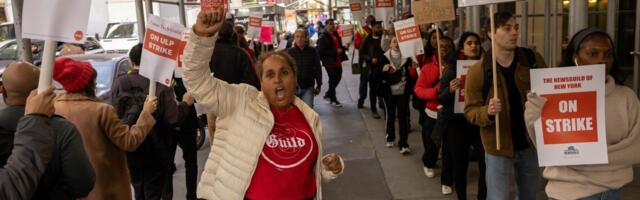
x=622, y=113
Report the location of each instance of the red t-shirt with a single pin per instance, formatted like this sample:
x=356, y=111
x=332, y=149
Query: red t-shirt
x=286, y=166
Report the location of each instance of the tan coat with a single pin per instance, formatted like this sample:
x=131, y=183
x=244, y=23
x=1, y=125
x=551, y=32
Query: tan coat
x=244, y=121
x=105, y=140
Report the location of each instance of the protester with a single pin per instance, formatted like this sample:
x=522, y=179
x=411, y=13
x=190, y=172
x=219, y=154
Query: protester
x=33, y=147
x=229, y=54
x=371, y=52
x=363, y=32
x=481, y=107
x=186, y=138
x=398, y=79
x=622, y=111
x=151, y=164
x=426, y=89
x=70, y=175
x=461, y=134
x=365, y=72
x=246, y=156
x=332, y=53
x=104, y=136
x=309, y=69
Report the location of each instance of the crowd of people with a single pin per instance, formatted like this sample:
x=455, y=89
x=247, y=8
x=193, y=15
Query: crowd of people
x=266, y=138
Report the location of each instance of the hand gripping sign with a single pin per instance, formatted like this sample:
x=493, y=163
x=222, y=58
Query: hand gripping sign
x=213, y=4
x=408, y=35
x=162, y=45
x=384, y=9
x=463, y=67
x=356, y=10
x=571, y=129
x=254, y=25
x=346, y=32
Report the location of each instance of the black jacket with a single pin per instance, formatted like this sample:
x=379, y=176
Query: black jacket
x=328, y=52
x=156, y=150
x=229, y=63
x=69, y=174
x=371, y=48
x=308, y=66
x=446, y=98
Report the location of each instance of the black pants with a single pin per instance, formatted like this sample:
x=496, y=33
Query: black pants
x=397, y=105
x=187, y=142
x=335, y=74
x=462, y=136
x=368, y=79
x=430, y=130
x=152, y=182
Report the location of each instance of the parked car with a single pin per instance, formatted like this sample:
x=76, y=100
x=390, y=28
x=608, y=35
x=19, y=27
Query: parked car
x=109, y=67
x=7, y=31
x=120, y=37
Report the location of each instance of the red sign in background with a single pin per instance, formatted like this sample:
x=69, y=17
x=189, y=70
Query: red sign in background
x=461, y=93
x=384, y=3
x=586, y=108
x=355, y=7
x=213, y=4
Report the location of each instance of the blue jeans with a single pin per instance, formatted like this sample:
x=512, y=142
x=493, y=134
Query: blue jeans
x=306, y=95
x=500, y=169
x=615, y=194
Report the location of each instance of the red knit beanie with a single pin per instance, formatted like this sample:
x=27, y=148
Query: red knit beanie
x=73, y=75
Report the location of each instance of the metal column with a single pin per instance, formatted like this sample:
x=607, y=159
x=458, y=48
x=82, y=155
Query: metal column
x=547, y=31
x=140, y=16
x=148, y=5
x=612, y=18
x=636, y=60
x=468, y=18
x=181, y=12
x=578, y=16
x=475, y=22
x=524, y=24
x=24, y=45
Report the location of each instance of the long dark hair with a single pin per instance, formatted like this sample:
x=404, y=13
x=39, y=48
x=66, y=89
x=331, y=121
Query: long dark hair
x=452, y=57
x=90, y=89
x=574, y=47
x=463, y=39
x=428, y=49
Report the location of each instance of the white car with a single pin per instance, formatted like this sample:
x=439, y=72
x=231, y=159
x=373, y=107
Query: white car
x=120, y=37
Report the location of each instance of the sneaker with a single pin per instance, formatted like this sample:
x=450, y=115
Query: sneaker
x=336, y=104
x=360, y=105
x=405, y=150
x=446, y=190
x=375, y=115
x=389, y=145
x=326, y=98
x=429, y=172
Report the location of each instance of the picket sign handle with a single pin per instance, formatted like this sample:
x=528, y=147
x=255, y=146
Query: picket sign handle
x=46, y=69
x=495, y=74
x=152, y=88
x=438, y=48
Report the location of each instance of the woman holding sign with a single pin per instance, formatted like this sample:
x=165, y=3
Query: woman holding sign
x=398, y=78
x=426, y=89
x=622, y=113
x=268, y=143
x=461, y=134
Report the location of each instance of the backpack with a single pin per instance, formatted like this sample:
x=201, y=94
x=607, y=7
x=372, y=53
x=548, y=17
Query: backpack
x=129, y=102
x=531, y=62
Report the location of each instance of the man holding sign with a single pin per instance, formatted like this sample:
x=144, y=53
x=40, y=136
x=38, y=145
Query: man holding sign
x=516, y=152
x=622, y=114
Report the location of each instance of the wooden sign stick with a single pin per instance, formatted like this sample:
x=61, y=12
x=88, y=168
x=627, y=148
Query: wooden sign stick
x=495, y=74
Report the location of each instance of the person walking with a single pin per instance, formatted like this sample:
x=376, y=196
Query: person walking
x=481, y=108
x=398, y=78
x=104, y=136
x=269, y=142
x=461, y=134
x=427, y=88
x=622, y=110
x=332, y=53
x=70, y=174
x=309, y=69
x=372, y=54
